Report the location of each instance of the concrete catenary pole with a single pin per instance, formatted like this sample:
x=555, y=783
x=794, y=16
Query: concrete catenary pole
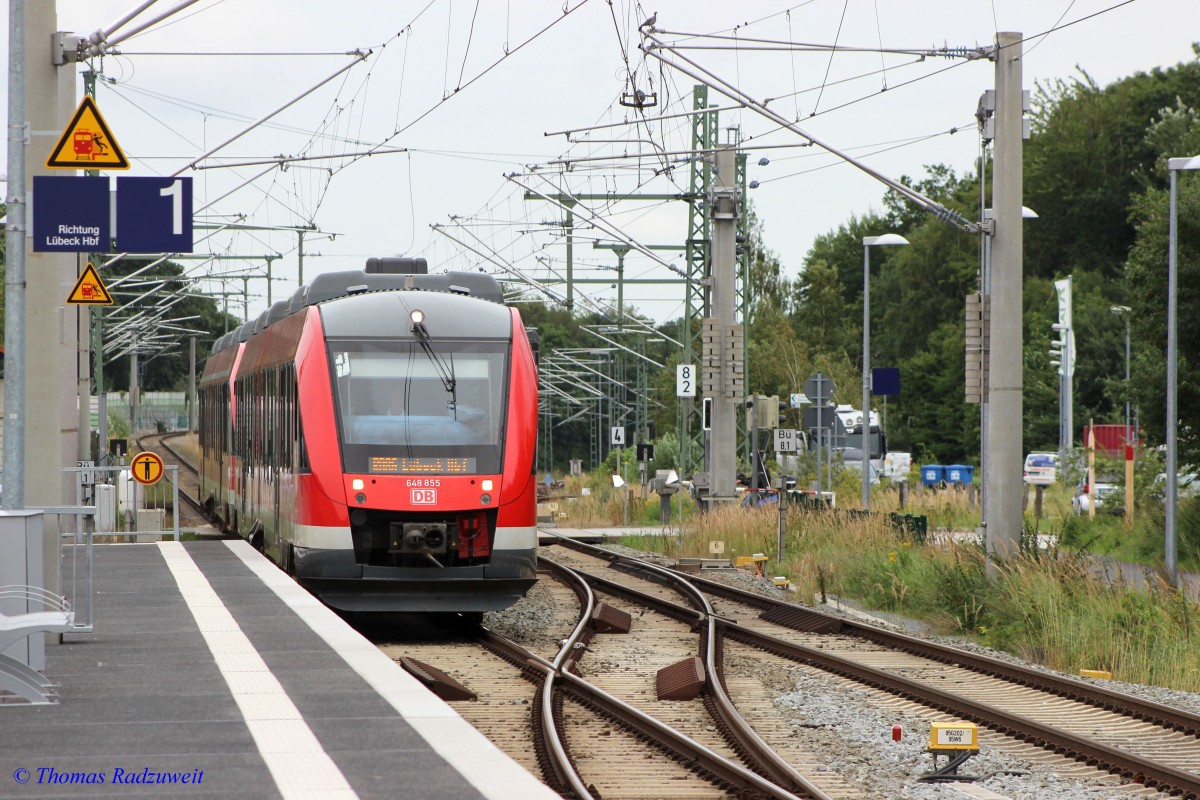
x=722, y=464
x=1005, y=443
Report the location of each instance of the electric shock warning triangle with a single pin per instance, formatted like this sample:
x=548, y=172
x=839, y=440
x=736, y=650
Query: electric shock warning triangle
x=87, y=142
x=90, y=290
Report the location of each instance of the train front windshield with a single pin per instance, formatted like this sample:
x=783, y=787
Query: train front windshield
x=407, y=412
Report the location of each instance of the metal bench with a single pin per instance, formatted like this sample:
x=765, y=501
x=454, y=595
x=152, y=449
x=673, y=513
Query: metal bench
x=15, y=676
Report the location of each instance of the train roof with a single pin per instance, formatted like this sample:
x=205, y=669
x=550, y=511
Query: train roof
x=388, y=275
x=277, y=311
x=299, y=300
x=332, y=285
x=369, y=315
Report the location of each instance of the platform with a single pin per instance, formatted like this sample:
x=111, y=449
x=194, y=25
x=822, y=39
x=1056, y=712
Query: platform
x=211, y=674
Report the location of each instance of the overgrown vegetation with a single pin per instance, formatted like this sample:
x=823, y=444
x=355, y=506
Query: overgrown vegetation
x=1056, y=604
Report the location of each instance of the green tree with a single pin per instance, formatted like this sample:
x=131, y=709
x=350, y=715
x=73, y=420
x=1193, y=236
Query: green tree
x=1175, y=133
x=1087, y=159
x=167, y=369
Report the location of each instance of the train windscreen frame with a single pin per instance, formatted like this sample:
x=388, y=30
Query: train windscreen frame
x=400, y=413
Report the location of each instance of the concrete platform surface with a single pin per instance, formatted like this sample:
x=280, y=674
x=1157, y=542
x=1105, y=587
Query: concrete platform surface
x=211, y=674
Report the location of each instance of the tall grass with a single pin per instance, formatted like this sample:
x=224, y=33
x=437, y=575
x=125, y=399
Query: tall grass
x=1049, y=607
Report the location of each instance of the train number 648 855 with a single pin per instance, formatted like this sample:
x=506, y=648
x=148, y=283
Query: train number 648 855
x=424, y=482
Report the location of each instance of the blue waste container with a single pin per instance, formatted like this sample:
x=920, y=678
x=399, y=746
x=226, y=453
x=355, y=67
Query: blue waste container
x=962, y=474
x=932, y=474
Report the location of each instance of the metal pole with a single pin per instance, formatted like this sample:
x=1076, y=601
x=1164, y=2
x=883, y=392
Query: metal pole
x=83, y=380
x=300, y=256
x=1128, y=436
x=192, y=386
x=754, y=457
x=1169, y=552
x=624, y=486
x=820, y=430
x=1069, y=364
x=866, y=379
x=782, y=516
x=133, y=393
x=14, y=283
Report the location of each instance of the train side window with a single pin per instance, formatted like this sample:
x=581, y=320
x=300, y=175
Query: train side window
x=302, y=446
x=301, y=455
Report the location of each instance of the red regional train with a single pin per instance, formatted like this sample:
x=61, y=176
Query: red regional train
x=375, y=435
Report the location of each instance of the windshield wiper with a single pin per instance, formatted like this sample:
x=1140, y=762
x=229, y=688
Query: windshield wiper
x=445, y=373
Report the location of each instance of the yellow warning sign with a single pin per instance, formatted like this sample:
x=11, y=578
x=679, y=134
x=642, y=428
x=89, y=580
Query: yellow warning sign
x=146, y=468
x=90, y=290
x=87, y=143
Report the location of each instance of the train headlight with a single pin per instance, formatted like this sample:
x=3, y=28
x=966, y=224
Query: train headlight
x=416, y=316
x=485, y=499
x=487, y=486
x=358, y=484
x=360, y=498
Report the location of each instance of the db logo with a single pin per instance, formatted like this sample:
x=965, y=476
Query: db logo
x=424, y=497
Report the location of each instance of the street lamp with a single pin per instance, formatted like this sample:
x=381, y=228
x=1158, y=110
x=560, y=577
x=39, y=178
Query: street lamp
x=884, y=240
x=1123, y=311
x=1174, y=165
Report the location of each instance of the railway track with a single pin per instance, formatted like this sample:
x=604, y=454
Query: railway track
x=165, y=445
x=587, y=736
x=1136, y=740
x=578, y=704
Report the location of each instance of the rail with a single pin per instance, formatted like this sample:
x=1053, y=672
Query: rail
x=1141, y=770
x=664, y=736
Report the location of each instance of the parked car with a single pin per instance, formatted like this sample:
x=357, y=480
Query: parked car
x=1106, y=490
x=1189, y=485
x=1041, y=469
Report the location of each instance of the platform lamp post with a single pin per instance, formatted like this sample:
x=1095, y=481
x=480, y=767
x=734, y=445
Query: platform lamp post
x=893, y=239
x=1174, y=165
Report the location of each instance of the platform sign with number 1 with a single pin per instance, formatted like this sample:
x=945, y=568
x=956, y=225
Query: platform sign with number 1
x=154, y=215
x=685, y=380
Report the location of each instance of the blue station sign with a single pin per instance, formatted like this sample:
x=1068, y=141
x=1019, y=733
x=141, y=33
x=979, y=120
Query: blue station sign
x=70, y=214
x=154, y=215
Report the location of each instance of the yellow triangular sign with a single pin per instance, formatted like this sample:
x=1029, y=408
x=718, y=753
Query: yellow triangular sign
x=90, y=290
x=87, y=143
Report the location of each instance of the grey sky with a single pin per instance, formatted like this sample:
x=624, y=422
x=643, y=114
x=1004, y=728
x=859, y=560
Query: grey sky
x=166, y=109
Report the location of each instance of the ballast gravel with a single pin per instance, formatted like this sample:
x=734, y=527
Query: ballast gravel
x=848, y=725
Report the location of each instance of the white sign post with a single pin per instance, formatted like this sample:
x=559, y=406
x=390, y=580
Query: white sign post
x=685, y=380
x=785, y=440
